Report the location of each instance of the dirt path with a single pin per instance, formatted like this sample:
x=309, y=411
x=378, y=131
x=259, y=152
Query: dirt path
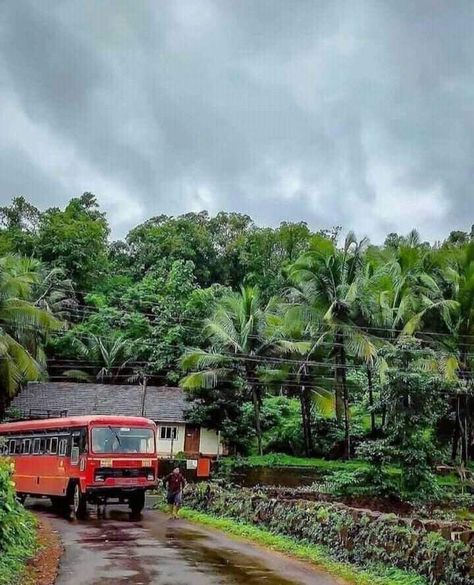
x=159, y=551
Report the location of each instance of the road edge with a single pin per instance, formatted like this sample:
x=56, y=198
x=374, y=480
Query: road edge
x=43, y=568
x=313, y=554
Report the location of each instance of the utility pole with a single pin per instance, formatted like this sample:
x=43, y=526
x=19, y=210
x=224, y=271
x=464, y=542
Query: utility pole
x=218, y=445
x=144, y=383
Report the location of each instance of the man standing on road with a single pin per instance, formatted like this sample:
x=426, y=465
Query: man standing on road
x=175, y=482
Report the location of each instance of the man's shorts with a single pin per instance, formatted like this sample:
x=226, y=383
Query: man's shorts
x=174, y=498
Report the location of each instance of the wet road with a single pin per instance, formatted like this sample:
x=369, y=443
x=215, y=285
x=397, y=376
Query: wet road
x=157, y=551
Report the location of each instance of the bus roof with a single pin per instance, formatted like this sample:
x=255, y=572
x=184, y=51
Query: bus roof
x=75, y=421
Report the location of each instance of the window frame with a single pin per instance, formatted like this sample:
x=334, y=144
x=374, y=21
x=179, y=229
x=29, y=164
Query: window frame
x=11, y=446
x=36, y=446
x=62, y=447
x=52, y=440
x=25, y=446
x=172, y=431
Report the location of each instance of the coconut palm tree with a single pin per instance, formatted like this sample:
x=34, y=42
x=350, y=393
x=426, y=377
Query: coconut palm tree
x=240, y=339
x=452, y=298
x=23, y=326
x=326, y=281
x=109, y=355
x=297, y=375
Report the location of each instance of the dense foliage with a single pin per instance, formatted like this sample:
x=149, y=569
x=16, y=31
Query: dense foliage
x=17, y=529
x=366, y=348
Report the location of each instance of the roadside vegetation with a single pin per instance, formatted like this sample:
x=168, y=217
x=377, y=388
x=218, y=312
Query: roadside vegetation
x=369, y=540
x=317, y=554
x=17, y=531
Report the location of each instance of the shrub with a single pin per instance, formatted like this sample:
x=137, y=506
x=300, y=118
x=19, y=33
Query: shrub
x=17, y=534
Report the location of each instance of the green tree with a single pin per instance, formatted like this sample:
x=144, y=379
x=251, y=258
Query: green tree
x=75, y=240
x=162, y=240
x=452, y=297
x=415, y=401
x=327, y=279
x=19, y=227
x=267, y=253
x=23, y=326
x=239, y=340
x=108, y=357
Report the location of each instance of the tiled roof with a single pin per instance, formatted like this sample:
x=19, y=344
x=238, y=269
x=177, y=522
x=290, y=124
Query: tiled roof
x=163, y=404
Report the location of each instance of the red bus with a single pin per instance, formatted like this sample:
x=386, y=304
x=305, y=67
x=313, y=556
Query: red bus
x=83, y=459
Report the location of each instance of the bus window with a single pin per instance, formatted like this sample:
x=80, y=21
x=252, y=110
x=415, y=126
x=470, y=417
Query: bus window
x=36, y=446
x=25, y=447
x=53, y=446
x=43, y=446
x=75, y=448
x=11, y=447
x=17, y=446
x=62, y=447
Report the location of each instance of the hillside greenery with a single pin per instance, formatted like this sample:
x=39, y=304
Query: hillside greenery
x=287, y=340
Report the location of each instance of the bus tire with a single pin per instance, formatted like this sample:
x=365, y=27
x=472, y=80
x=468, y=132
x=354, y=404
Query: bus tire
x=79, y=503
x=21, y=498
x=136, y=502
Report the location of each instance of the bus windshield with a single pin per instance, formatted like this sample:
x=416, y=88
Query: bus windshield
x=122, y=440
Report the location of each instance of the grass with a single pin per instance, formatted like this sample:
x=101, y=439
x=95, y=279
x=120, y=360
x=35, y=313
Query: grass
x=315, y=554
x=323, y=465
x=282, y=460
x=13, y=561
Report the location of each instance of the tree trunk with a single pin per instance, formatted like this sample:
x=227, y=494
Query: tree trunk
x=258, y=427
x=305, y=401
x=456, y=434
x=343, y=392
x=371, y=401
x=463, y=414
x=3, y=402
x=339, y=387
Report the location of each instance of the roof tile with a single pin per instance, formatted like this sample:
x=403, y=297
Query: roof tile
x=163, y=403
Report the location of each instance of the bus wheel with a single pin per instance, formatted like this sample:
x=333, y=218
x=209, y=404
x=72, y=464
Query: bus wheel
x=136, y=503
x=21, y=498
x=79, y=503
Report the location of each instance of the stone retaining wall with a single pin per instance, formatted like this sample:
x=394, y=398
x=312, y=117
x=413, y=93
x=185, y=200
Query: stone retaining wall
x=442, y=552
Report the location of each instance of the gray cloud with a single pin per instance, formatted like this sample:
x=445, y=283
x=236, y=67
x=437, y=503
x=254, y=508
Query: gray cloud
x=356, y=113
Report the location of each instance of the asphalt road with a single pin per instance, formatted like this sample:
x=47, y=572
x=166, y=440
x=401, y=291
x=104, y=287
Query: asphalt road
x=155, y=550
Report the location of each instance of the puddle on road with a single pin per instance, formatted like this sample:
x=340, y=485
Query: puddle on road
x=236, y=568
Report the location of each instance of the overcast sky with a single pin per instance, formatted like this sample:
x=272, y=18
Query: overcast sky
x=357, y=113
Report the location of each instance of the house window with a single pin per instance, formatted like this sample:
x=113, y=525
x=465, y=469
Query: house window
x=169, y=432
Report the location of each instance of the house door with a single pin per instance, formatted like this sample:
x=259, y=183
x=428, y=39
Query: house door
x=192, y=439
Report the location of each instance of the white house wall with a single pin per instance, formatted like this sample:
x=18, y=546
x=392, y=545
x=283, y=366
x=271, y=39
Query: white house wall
x=164, y=445
x=207, y=441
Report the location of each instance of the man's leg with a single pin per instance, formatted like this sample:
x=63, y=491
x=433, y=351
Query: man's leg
x=177, y=504
x=170, y=505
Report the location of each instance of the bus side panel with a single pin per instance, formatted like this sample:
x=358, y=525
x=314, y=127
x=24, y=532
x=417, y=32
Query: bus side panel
x=45, y=475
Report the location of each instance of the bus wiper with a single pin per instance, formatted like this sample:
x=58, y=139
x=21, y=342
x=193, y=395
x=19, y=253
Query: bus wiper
x=116, y=436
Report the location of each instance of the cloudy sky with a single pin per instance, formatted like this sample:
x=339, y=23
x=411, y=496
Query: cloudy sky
x=357, y=113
